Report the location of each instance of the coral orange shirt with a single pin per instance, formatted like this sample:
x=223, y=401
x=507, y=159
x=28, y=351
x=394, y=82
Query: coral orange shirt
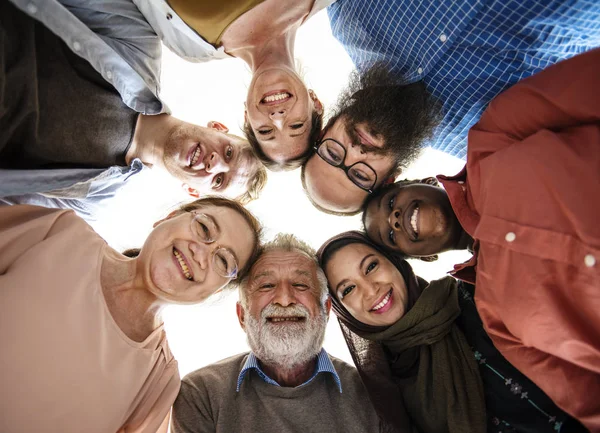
x=529, y=195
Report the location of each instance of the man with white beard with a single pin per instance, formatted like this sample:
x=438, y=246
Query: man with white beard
x=287, y=383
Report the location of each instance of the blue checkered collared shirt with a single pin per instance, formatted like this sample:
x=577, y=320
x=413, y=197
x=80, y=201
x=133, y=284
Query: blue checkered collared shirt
x=465, y=51
x=324, y=365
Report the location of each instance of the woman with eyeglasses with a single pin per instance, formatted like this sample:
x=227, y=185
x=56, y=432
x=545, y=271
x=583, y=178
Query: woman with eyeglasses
x=421, y=349
x=83, y=344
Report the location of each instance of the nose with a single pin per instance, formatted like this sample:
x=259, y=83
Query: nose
x=277, y=117
x=394, y=220
x=201, y=253
x=371, y=292
x=215, y=164
x=284, y=295
x=354, y=154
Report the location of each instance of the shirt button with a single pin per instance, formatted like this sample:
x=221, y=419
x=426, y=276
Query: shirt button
x=443, y=37
x=76, y=46
x=589, y=260
x=109, y=75
x=31, y=8
x=510, y=236
x=420, y=70
x=169, y=16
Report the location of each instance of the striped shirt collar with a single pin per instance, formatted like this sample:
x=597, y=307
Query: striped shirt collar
x=324, y=365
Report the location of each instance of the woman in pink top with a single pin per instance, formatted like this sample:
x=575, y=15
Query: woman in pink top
x=83, y=346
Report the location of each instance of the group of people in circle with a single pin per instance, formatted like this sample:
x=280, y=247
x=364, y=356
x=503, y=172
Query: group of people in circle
x=510, y=342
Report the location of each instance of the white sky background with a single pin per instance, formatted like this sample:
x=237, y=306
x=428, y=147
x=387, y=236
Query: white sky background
x=197, y=93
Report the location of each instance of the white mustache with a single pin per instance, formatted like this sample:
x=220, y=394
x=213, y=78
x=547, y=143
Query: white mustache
x=273, y=310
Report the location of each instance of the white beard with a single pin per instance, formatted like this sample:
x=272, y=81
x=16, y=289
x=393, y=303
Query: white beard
x=286, y=345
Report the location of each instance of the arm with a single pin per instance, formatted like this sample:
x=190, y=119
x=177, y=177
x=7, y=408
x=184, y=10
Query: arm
x=563, y=95
x=573, y=389
x=23, y=227
x=191, y=411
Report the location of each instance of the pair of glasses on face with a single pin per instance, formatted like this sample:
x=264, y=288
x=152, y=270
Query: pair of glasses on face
x=334, y=153
x=207, y=231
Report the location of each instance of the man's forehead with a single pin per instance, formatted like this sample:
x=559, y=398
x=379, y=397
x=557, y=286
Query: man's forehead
x=277, y=261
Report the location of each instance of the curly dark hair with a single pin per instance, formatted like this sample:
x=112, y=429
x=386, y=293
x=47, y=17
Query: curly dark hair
x=404, y=114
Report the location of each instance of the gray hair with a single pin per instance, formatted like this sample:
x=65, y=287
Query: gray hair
x=287, y=242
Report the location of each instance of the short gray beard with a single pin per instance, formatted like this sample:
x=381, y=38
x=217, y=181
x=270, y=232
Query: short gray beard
x=286, y=346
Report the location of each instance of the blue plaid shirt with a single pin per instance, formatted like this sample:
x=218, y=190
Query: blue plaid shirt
x=467, y=51
x=324, y=365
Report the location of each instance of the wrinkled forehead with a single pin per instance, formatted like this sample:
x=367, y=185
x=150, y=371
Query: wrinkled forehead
x=281, y=264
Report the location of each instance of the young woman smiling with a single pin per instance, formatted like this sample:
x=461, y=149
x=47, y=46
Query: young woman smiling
x=83, y=343
x=421, y=349
x=282, y=116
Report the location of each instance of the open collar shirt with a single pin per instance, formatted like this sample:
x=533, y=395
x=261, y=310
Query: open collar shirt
x=324, y=365
x=466, y=51
x=529, y=196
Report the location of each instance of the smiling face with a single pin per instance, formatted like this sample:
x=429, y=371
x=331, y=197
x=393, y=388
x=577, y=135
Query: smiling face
x=279, y=109
x=208, y=160
x=416, y=219
x=179, y=267
x=282, y=314
x=328, y=186
x=367, y=284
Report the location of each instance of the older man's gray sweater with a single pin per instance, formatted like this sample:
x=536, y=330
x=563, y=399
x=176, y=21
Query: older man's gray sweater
x=208, y=402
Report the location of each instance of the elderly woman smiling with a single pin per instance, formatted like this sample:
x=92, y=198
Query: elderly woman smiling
x=83, y=345
x=421, y=349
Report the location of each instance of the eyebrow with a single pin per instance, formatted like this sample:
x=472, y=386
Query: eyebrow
x=303, y=273
x=362, y=262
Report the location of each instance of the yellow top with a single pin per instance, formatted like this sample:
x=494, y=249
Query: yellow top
x=210, y=18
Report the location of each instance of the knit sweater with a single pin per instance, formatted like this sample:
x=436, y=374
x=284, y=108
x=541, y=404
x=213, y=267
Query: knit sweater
x=208, y=402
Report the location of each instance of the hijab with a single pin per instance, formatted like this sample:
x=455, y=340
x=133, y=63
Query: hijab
x=419, y=372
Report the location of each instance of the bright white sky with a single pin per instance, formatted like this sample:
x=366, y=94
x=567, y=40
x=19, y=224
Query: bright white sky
x=198, y=93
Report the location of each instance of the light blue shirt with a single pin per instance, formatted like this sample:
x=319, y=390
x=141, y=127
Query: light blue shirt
x=61, y=188
x=115, y=38
x=324, y=365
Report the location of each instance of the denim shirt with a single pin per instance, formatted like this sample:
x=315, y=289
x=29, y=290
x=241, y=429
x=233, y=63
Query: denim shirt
x=83, y=190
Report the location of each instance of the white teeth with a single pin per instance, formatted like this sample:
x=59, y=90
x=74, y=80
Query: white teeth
x=195, y=156
x=285, y=319
x=276, y=97
x=413, y=220
x=182, y=264
x=383, y=303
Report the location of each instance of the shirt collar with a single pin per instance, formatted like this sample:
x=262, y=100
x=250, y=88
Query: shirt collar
x=324, y=365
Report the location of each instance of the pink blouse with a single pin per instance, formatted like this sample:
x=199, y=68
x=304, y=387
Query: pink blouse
x=65, y=365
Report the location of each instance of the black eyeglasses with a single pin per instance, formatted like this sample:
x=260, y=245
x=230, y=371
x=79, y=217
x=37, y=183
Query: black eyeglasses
x=334, y=153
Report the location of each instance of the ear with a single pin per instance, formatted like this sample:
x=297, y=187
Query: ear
x=316, y=101
x=171, y=215
x=218, y=126
x=193, y=192
x=240, y=313
x=431, y=258
x=328, y=306
x=245, y=114
x=430, y=181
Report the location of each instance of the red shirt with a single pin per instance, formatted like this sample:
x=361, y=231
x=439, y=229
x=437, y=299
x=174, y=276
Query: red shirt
x=530, y=197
